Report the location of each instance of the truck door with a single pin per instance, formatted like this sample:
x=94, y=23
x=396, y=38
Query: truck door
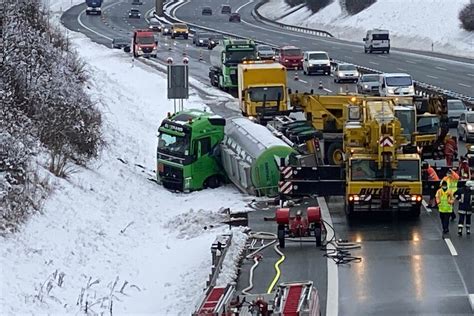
x=202, y=167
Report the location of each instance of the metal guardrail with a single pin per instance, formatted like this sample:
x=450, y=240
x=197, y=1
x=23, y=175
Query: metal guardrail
x=421, y=88
x=288, y=27
x=219, y=250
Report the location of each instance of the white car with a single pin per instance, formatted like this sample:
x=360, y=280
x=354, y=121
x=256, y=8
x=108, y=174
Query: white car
x=346, y=72
x=396, y=84
x=316, y=62
x=455, y=109
x=466, y=126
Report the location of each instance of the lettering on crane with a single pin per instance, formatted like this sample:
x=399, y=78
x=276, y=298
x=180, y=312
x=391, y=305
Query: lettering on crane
x=378, y=191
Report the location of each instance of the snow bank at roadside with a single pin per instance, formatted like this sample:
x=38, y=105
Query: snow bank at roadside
x=109, y=236
x=414, y=24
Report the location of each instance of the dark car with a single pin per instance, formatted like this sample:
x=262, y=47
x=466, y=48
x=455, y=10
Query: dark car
x=206, y=11
x=214, y=40
x=155, y=25
x=234, y=17
x=166, y=29
x=120, y=42
x=137, y=2
x=201, y=38
x=134, y=14
x=226, y=9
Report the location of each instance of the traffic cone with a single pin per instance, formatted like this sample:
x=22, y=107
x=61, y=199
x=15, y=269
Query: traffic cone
x=184, y=51
x=200, y=55
x=296, y=74
x=347, y=89
x=320, y=87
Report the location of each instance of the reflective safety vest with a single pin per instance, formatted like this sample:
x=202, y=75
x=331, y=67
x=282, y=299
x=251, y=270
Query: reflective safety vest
x=432, y=175
x=443, y=198
x=452, y=182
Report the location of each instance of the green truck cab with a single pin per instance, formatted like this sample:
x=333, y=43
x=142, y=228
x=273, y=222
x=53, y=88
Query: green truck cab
x=188, y=143
x=224, y=59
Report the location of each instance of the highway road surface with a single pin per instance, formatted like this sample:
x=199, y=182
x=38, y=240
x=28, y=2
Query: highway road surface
x=406, y=267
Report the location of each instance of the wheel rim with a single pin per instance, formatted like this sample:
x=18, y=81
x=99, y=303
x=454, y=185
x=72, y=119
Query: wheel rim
x=338, y=157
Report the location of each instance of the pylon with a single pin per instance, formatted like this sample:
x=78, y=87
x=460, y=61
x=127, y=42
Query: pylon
x=200, y=55
x=320, y=87
x=296, y=74
x=184, y=52
x=347, y=89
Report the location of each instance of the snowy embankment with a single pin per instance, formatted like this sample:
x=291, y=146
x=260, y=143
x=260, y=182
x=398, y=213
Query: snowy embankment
x=108, y=235
x=414, y=24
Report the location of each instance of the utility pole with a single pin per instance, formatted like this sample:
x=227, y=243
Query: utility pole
x=159, y=7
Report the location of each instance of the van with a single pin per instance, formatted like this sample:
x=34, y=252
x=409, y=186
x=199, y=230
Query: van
x=316, y=62
x=179, y=29
x=290, y=57
x=396, y=84
x=377, y=41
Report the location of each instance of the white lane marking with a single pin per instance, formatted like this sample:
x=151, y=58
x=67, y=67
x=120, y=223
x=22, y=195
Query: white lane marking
x=410, y=61
x=429, y=76
x=471, y=300
x=327, y=90
x=465, y=85
x=402, y=69
x=348, y=57
x=373, y=63
x=428, y=209
x=304, y=81
x=470, y=75
x=440, y=68
x=451, y=247
x=332, y=298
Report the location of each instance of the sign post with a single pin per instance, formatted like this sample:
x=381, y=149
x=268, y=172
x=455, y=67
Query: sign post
x=178, y=83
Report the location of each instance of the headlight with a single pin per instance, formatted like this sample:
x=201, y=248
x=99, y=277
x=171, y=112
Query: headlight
x=411, y=89
x=469, y=127
x=301, y=59
x=391, y=90
x=212, y=42
x=366, y=86
x=356, y=74
x=200, y=41
x=286, y=60
x=341, y=74
x=328, y=64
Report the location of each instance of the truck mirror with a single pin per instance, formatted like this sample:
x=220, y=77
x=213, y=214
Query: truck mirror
x=126, y=49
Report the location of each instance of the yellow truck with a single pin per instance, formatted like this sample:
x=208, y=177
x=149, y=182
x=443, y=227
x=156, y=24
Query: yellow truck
x=262, y=89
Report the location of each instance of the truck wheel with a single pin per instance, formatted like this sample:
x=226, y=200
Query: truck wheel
x=317, y=234
x=212, y=182
x=172, y=36
x=370, y=49
x=365, y=50
x=335, y=154
x=281, y=236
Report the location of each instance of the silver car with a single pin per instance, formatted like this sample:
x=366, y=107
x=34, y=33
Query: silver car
x=368, y=84
x=466, y=126
x=455, y=109
x=346, y=72
x=265, y=52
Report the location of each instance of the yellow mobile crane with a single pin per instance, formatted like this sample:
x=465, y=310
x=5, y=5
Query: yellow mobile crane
x=379, y=175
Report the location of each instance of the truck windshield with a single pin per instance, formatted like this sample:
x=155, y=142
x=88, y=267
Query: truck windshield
x=146, y=40
x=174, y=145
x=318, y=56
x=428, y=125
x=456, y=105
x=398, y=81
x=292, y=52
x=237, y=56
x=367, y=170
x=269, y=93
x=407, y=122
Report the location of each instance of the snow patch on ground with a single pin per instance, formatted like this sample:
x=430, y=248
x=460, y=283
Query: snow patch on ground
x=232, y=259
x=109, y=236
x=413, y=24
x=274, y=9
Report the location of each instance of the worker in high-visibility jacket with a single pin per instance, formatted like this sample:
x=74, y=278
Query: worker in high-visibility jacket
x=450, y=149
x=465, y=196
x=432, y=176
x=452, y=179
x=445, y=201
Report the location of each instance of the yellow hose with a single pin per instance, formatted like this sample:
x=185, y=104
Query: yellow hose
x=278, y=272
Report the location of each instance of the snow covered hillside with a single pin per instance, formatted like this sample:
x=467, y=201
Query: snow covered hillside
x=415, y=24
x=108, y=233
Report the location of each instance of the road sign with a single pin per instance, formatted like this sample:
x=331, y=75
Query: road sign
x=178, y=83
x=386, y=141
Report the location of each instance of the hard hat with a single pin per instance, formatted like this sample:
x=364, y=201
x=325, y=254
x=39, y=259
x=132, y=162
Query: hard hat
x=470, y=183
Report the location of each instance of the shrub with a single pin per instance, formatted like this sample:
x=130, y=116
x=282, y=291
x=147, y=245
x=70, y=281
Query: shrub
x=355, y=6
x=466, y=16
